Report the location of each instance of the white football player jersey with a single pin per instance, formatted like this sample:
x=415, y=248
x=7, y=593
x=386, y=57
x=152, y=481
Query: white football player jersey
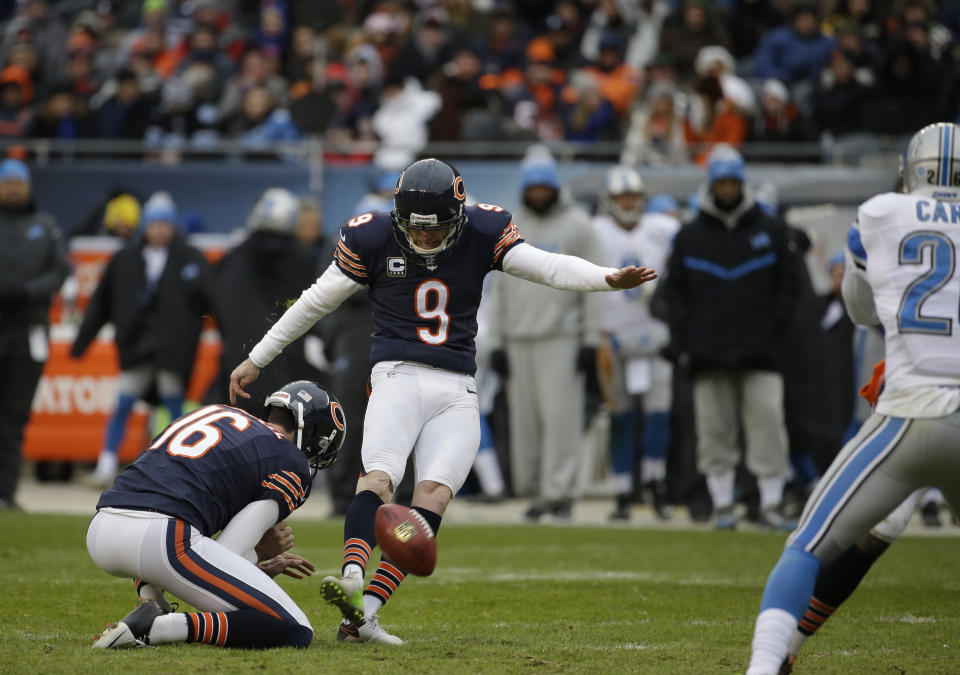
x=906, y=245
x=626, y=313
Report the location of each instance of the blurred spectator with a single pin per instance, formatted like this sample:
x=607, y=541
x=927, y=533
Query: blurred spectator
x=261, y=120
x=273, y=29
x=464, y=112
x=795, y=52
x=865, y=16
x=545, y=354
x=907, y=94
x=35, y=25
x=186, y=113
x=749, y=21
x=779, y=120
x=80, y=76
x=63, y=116
x=16, y=93
x=302, y=54
x=151, y=40
x=401, y=122
x=587, y=114
x=464, y=19
x=33, y=265
x=694, y=26
x=712, y=119
x=365, y=75
x=254, y=72
x=532, y=100
x=27, y=57
x=502, y=46
x=656, y=130
x=618, y=82
x=121, y=217
x=717, y=62
x=384, y=33
x=645, y=43
x=609, y=18
x=155, y=291
x=841, y=96
x=428, y=48
x=380, y=197
x=204, y=47
x=319, y=104
x=862, y=52
x=126, y=114
x=254, y=282
x=564, y=33
x=730, y=290
x=308, y=230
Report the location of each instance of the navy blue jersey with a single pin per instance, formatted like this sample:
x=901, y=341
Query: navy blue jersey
x=422, y=315
x=207, y=466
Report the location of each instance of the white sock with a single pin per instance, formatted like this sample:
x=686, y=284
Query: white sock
x=353, y=570
x=488, y=472
x=653, y=469
x=624, y=483
x=107, y=464
x=771, y=636
x=169, y=628
x=371, y=605
x=151, y=592
x=771, y=491
x=797, y=642
x=721, y=489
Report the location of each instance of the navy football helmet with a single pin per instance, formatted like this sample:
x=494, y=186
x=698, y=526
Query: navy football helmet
x=429, y=196
x=318, y=415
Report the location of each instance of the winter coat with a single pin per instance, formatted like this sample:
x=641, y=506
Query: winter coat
x=33, y=261
x=731, y=288
x=160, y=328
x=788, y=57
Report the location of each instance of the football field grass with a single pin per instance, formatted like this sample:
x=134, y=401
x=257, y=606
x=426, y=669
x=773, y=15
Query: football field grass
x=506, y=599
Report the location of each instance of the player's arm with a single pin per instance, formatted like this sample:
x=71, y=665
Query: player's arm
x=244, y=531
x=570, y=273
x=324, y=296
x=856, y=290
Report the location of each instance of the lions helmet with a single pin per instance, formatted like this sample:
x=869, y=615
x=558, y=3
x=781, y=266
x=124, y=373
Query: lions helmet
x=931, y=164
x=624, y=180
x=318, y=416
x=276, y=211
x=429, y=196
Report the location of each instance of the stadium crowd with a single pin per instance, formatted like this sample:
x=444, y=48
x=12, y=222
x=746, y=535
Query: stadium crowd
x=668, y=77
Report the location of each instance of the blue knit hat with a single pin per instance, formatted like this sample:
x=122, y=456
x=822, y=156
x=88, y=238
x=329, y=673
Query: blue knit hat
x=160, y=206
x=540, y=173
x=14, y=169
x=725, y=162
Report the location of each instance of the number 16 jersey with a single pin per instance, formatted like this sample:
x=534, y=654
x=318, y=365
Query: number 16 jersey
x=907, y=245
x=427, y=316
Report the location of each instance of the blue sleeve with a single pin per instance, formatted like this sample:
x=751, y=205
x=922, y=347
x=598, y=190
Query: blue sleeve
x=766, y=59
x=857, y=250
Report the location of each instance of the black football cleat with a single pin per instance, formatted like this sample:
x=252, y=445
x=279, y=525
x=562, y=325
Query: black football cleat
x=133, y=630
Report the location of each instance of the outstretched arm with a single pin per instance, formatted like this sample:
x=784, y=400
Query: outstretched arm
x=569, y=273
x=324, y=296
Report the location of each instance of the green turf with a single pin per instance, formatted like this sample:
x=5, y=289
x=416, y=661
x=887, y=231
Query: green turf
x=506, y=599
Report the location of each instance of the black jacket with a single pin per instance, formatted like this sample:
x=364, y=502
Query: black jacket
x=33, y=265
x=162, y=329
x=254, y=284
x=730, y=292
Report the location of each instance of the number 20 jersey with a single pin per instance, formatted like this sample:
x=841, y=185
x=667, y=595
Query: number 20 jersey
x=206, y=466
x=907, y=245
x=423, y=315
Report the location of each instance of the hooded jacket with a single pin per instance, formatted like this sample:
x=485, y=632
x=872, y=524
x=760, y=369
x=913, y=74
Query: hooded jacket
x=731, y=287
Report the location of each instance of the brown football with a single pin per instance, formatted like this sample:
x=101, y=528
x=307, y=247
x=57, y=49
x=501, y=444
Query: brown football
x=406, y=538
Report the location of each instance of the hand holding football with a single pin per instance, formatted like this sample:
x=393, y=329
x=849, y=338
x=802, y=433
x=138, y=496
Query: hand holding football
x=406, y=538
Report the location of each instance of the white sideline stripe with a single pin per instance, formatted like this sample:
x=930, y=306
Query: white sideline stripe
x=458, y=574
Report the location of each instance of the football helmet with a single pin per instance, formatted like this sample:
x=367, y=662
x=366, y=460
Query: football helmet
x=276, y=211
x=931, y=164
x=429, y=195
x=321, y=423
x=623, y=180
